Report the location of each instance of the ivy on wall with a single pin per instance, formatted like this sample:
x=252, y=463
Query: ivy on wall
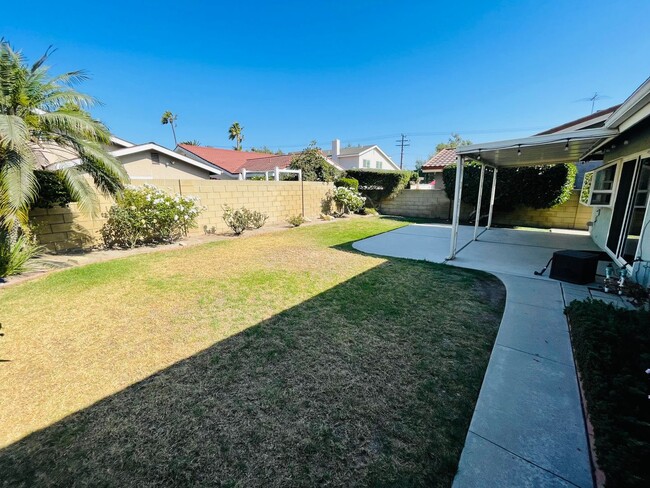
x=528, y=186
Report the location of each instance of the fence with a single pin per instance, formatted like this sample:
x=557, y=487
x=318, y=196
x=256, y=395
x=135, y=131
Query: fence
x=68, y=228
x=434, y=204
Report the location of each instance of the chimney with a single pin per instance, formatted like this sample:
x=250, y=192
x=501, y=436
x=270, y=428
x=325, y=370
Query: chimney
x=336, y=149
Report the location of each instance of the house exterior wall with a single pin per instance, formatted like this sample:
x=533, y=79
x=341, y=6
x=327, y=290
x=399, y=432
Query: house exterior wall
x=638, y=141
x=431, y=176
x=356, y=161
x=141, y=166
x=66, y=228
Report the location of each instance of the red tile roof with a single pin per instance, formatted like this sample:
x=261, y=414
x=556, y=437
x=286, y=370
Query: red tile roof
x=267, y=163
x=227, y=159
x=441, y=159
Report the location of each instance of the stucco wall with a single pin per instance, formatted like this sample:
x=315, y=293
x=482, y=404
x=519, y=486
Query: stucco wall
x=350, y=162
x=434, y=204
x=68, y=228
x=141, y=166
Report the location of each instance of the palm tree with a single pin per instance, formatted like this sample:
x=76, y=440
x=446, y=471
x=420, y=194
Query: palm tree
x=235, y=134
x=170, y=118
x=43, y=118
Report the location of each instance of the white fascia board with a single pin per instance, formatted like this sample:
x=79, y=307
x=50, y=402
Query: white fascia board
x=629, y=106
x=598, y=133
x=121, y=142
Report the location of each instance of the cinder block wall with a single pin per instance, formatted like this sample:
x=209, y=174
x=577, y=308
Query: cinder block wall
x=434, y=204
x=569, y=215
x=69, y=228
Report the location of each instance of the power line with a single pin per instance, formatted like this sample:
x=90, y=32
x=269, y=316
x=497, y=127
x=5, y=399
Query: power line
x=402, y=143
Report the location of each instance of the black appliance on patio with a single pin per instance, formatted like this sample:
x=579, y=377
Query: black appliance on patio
x=578, y=267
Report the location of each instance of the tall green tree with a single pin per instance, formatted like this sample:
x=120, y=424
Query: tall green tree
x=235, y=134
x=44, y=119
x=313, y=164
x=452, y=143
x=169, y=118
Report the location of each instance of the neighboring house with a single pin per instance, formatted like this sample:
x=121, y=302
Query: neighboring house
x=146, y=162
x=227, y=161
x=617, y=190
x=232, y=163
x=432, y=169
x=360, y=157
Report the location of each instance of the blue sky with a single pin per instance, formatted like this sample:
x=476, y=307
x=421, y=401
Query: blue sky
x=363, y=71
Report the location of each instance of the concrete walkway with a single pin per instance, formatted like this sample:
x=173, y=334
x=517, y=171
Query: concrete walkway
x=528, y=428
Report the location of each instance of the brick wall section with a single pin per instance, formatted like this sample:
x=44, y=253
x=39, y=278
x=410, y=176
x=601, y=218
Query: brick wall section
x=69, y=228
x=434, y=204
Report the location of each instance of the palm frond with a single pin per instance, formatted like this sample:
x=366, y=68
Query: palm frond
x=13, y=132
x=81, y=190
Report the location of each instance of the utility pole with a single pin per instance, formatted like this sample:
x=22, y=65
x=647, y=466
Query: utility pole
x=402, y=143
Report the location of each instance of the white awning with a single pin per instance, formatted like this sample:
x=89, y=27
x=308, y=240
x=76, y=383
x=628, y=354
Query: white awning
x=564, y=147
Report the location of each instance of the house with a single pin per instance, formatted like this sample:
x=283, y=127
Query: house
x=617, y=190
x=233, y=163
x=147, y=161
x=227, y=161
x=432, y=169
x=359, y=157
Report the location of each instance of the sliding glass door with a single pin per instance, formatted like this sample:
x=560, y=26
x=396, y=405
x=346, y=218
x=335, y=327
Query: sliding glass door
x=629, y=209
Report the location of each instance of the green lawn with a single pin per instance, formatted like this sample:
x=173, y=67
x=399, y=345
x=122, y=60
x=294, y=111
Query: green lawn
x=284, y=359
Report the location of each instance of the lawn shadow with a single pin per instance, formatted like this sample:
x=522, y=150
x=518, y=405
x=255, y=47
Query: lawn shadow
x=372, y=382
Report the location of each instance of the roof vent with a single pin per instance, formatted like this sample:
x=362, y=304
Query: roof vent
x=155, y=157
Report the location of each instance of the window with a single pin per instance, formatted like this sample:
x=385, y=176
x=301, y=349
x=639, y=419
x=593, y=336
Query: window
x=598, y=187
x=155, y=157
x=378, y=164
x=366, y=163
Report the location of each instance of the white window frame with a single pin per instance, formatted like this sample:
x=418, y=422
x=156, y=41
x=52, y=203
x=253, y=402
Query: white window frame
x=365, y=163
x=612, y=192
x=380, y=165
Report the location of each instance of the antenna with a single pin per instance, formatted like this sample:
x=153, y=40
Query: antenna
x=402, y=143
x=596, y=96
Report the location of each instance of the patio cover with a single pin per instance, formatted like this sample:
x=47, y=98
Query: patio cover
x=561, y=147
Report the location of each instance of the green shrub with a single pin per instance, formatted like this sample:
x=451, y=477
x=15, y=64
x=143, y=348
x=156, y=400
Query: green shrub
x=612, y=352
x=296, y=220
x=368, y=211
x=348, y=200
x=241, y=219
x=51, y=190
x=528, y=186
x=17, y=258
x=313, y=164
x=378, y=184
x=148, y=215
x=352, y=183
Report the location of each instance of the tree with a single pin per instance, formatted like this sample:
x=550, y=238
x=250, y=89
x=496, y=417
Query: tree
x=313, y=164
x=235, y=134
x=191, y=142
x=41, y=116
x=453, y=142
x=170, y=118
x=266, y=150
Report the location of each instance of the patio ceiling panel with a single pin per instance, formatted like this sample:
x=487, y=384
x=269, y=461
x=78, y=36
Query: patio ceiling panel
x=544, y=149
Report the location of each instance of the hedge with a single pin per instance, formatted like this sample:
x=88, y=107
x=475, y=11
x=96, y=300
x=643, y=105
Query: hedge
x=347, y=183
x=51, y=190
x=528, y=186
x=379, y=184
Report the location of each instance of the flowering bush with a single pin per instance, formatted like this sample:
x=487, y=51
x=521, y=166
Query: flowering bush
x=146, y=214
x=241, y=219
x=348, y=200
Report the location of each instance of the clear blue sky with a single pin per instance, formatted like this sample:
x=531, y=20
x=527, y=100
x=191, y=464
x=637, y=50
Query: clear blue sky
x=360, y=70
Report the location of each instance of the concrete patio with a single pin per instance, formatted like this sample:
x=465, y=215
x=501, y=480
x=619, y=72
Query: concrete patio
x=528, y=427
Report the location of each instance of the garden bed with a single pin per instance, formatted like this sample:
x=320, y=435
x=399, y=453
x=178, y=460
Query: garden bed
x=612, y=352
